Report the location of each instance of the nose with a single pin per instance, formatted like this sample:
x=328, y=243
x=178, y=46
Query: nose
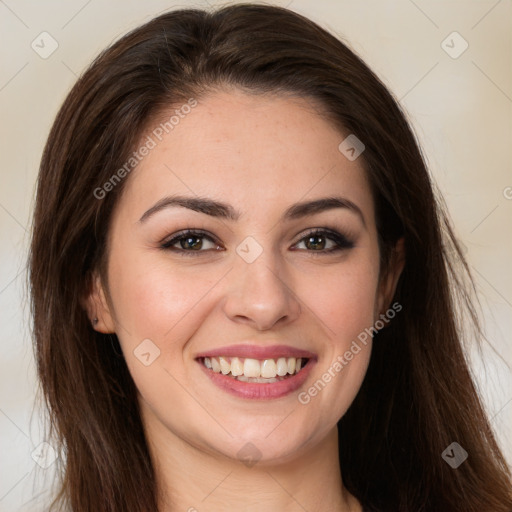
x=261, y=293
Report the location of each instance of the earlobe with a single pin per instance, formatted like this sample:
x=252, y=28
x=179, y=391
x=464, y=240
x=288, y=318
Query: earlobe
x=390, y=280
x=97, y=307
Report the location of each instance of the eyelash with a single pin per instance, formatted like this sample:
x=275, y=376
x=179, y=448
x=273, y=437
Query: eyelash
x=342, y=242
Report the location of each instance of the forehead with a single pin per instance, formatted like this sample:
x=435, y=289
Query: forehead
x=252, y=150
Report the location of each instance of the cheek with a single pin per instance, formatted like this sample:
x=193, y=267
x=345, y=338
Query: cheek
x=165, y=305
x=344, y=300
x=159, y=301
x=347, y=314
x=345, y=306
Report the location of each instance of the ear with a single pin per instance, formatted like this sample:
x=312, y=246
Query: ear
x=388, y=282
x=96, y=305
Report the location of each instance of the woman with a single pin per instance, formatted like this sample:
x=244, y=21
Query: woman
x=244, y=290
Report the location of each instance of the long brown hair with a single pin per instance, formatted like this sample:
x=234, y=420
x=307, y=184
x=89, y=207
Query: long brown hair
x=418, y=395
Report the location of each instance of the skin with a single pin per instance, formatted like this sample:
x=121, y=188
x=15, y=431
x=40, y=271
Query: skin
x=260, y=154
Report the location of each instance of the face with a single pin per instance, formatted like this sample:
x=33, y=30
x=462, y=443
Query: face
x=213, y=323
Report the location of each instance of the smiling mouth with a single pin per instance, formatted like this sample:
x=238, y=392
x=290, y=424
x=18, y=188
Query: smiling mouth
x=264, y=371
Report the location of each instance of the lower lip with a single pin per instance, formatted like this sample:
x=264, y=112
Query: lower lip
x=257, y=390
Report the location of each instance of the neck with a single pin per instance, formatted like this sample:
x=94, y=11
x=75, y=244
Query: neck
x=192, y=480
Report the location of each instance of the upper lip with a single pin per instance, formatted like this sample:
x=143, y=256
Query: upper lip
x=257, y=352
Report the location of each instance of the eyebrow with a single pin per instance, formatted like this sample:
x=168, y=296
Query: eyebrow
x=225, y=211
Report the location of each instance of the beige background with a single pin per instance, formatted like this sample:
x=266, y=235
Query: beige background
x=460, y=107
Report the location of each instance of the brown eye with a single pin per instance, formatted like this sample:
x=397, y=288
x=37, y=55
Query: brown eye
x=325, y=241
x=190, y=242
x=316, y=242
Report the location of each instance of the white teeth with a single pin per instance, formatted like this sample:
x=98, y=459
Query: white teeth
x=225, y=367
x=253, y=370
x=215, y=365
x=260, y=380
x=282, y=367
x=237, y=367
x=268, y=369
